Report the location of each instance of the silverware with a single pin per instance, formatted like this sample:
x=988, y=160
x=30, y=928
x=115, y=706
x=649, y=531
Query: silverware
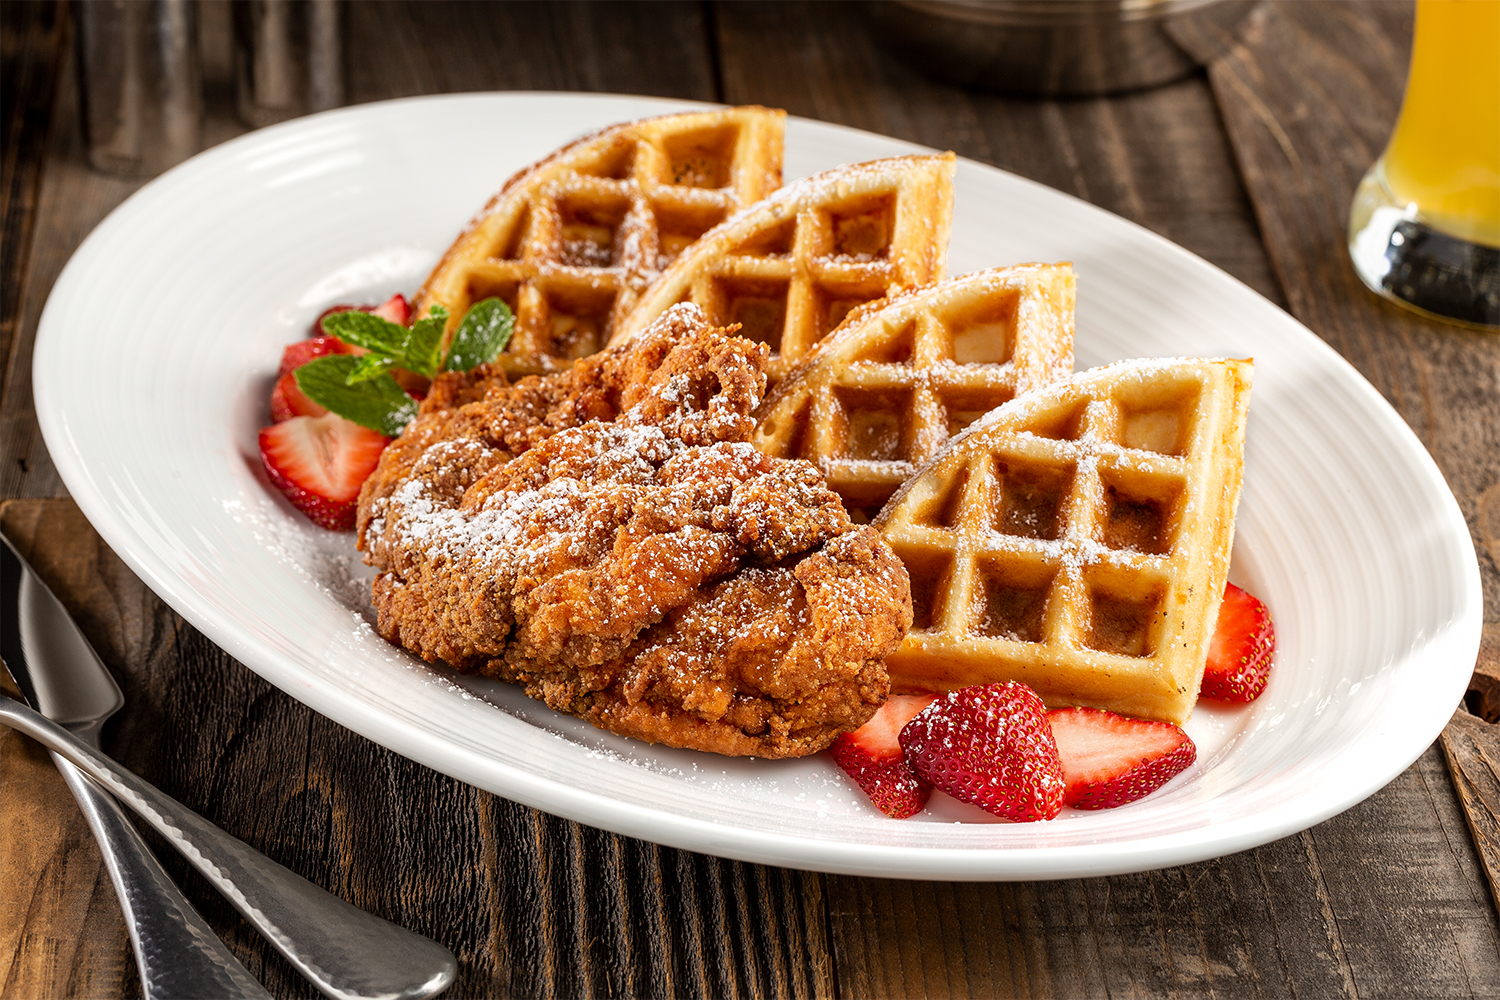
x=177, y=952
x=344, y=951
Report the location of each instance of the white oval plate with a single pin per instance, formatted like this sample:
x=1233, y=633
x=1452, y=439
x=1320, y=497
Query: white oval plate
x=159, y=343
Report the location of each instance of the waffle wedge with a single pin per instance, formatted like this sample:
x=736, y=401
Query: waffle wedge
x=1077, y=539
x=789, y=269
x=887, y=389
x=571, y=241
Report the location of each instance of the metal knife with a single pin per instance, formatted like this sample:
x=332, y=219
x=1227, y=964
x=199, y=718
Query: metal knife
x=177, y=952
x=344, y=951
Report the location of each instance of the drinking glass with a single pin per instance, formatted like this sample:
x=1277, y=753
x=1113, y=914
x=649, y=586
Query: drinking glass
x=1424, y=229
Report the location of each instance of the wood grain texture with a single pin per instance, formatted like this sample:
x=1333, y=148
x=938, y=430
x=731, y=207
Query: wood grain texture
x=1387, y=899
x=31, y=43
x=1297, y=917
x=71, y=200
x=1483, y=699
x=1158, y=158
x=1471, y=747
x=1305, y=131
x=32, y=37
x=656, y=48
x=61, y=932
x=533, y=905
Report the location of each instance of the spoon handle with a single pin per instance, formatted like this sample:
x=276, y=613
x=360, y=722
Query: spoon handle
x=344, y=951
x=178, y=954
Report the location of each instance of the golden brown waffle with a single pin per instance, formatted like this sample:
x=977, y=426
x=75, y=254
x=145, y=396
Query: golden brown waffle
x=1077, y=539
x=887, y=389
x=571, y=241
x=789, y=269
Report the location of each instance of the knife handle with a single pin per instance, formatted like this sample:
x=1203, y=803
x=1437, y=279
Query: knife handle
x=345, y=952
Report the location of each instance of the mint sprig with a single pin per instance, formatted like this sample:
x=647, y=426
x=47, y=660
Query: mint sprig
x=361, y=388
x=481, y=336
x=378, y=403
x=415, y=348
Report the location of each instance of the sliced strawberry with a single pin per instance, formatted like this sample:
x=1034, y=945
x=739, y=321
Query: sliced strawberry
x=320, y=463
x=317, y=326
x=990, y=745
x=1109, y=760
x=396, y=309
x=288, y=401
x=298, y=354
x=1239, y=656
x=871, y=755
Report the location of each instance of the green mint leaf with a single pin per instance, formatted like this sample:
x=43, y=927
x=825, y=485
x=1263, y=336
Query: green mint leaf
x=369, y=366
x=483, y=334
x=366, y=330
x=424, y=346
x=379, y=403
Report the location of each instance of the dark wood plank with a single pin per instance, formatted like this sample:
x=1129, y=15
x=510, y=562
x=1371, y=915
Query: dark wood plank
x=654, y=48
x=1484, y=689
x=533, y=905
x=1471, y=747
x=31, y=41
x=1305, y=131
x=1158, y=158
x=33, y=34
x=70, y=201
x=1296, y=917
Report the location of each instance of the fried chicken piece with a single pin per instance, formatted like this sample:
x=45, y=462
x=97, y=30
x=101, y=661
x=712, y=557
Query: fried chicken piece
x=647, y=569
x=696, y=381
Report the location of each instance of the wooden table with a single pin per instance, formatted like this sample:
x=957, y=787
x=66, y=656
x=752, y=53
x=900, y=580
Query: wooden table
x=1250, y=164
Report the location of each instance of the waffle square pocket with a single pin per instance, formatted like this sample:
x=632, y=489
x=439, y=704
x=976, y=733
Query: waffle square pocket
x=1078, y=538
x=789, y=269
x=887, y=389
x=570, y=242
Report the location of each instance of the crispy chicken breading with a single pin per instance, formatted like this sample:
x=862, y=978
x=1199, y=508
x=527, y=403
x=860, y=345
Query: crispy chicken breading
x=607, y=538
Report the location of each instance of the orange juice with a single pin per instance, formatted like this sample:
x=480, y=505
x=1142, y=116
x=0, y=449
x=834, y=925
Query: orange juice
x=1444, y=155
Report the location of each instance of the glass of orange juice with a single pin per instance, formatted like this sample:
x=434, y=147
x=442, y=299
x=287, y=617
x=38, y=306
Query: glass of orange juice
x=1424, y=229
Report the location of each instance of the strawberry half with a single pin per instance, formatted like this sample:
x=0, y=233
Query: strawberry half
x=320, y=463
x=1239, y=655
x=1109, y=760
x=288, y=401
x=396, y=309
x=871, y=755
x=990, y=745
x=298, y=354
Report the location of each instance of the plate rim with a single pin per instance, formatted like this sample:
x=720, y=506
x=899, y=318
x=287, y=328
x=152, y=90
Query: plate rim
x=634, y=819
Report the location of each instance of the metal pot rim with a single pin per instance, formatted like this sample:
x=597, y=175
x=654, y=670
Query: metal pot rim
x=1050, y=13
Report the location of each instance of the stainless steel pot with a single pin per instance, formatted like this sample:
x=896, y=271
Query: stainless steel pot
x=1057, y=48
